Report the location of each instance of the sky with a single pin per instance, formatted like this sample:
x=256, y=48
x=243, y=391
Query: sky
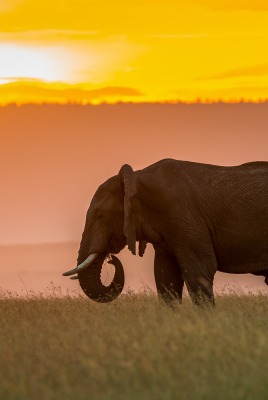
x=86, y=51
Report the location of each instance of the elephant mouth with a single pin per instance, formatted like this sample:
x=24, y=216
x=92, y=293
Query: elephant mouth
x=89, y=275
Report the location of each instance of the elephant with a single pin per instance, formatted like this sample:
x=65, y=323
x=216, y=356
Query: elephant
x=199, y=218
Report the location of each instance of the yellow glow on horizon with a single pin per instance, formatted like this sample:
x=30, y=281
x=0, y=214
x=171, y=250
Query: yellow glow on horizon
x=144, y=51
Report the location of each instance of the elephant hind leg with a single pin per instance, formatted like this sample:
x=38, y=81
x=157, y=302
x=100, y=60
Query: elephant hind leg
x=200, y=289
x=168, y=278
x=198, y=272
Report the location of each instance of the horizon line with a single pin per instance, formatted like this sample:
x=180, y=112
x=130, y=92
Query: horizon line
x=164, y=102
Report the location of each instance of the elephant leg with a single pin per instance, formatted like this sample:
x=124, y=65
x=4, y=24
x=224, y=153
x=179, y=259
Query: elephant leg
x=200, y=289
x=168, y=279
x=199, y=275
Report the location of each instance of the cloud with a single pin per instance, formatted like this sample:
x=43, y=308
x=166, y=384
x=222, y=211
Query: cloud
x=255, y=70
x=178, y=36
x=38, y=91
x=24, y=79
x=114, y=91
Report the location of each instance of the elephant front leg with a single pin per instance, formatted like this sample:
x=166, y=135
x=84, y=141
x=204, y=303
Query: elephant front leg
x=168, y=279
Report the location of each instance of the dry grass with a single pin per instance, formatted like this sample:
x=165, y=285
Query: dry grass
x=133, y=348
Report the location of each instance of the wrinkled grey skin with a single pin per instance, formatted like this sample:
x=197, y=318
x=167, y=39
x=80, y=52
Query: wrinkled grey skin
x=199, y=218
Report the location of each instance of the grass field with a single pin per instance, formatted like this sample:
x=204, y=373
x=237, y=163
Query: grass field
x=133, y=348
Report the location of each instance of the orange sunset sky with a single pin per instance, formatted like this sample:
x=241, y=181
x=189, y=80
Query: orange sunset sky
x=148, y=50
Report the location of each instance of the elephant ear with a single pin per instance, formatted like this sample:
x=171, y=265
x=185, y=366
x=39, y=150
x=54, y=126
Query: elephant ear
x=128, y=179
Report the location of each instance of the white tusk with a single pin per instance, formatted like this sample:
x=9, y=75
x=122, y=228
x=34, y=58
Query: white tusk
x=83, y=265
x=87, y=262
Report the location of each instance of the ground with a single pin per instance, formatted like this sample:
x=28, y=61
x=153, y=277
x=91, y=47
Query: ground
x=133, y=348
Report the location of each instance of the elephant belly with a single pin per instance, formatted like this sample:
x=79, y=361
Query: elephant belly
x=242, y=254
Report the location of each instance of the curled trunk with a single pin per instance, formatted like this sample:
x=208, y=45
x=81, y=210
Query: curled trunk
x=90, y=281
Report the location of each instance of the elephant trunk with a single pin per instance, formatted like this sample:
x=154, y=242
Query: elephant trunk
x=90, y=280
x=88, y=272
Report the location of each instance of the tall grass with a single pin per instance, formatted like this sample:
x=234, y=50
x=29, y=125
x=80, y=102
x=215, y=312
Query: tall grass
x=133, y=348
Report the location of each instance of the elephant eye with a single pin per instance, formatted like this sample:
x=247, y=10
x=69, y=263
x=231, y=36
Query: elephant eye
x=99, y=215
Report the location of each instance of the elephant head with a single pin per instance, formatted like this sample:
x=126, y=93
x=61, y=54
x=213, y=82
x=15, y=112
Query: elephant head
x=108, y=229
